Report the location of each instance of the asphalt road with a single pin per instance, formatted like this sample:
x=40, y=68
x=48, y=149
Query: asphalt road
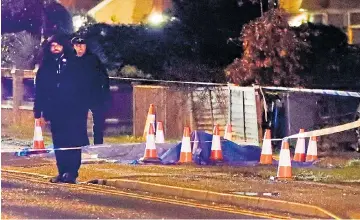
x=27, y=199
x=8, y=159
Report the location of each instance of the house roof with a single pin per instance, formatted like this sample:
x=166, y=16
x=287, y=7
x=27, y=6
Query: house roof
x=78, y=5
x=98, y=7
x=157, y=5
x=313, y=5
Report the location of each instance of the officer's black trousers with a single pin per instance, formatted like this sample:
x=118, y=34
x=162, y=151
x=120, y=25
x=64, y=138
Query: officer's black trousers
x=69, y=131
x=68, y=161
x=99, y=124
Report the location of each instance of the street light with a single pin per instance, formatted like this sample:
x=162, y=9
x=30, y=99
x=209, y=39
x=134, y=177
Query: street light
x=156, y=19
x=78, y=22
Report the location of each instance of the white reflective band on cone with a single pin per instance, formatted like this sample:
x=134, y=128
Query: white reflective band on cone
x=216, y=143
x=300, y=146
x=312, y=148
x=186, y=147
x=266, y=148
x=150, y=142
x=284, y=159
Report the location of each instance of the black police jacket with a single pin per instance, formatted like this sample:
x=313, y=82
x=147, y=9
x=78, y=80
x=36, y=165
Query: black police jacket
x=62, y=87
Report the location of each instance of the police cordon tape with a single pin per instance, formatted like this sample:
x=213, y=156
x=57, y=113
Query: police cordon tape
x=49, y=149
x=327, y=131
x=317, y=91
x=315, y=133
x=169, y=81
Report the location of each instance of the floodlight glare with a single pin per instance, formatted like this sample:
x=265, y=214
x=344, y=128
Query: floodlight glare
x=156, y=18
x=78, y=22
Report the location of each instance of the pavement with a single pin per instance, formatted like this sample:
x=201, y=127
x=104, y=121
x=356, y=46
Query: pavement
x=290, y=209
x=257, y=203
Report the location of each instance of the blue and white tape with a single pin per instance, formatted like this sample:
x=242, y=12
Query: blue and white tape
x=327, y=131
x=317, y=91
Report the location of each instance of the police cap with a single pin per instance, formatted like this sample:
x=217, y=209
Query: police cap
x=77, y=40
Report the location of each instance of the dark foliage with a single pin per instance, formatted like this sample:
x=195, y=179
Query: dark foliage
x=57, y=20
x=21, y=15
x=34, y=15
x=331, y=62
x=312, y=55
x=209, y=26
x=23, y=23
x=163, y=53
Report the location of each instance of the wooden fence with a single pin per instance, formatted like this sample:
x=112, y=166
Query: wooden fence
x=200, y=107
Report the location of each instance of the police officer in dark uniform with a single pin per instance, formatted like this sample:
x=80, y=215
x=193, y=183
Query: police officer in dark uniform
x=63, y=97
x=95, y=69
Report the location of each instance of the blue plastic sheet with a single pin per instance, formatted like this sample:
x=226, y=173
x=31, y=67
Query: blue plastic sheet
x=233, y=154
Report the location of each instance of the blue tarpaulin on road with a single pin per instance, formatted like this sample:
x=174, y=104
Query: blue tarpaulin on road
x=233, y=153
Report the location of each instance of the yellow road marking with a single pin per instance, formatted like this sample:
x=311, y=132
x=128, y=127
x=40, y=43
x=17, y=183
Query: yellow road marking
x=150, y=198
x=257, y=198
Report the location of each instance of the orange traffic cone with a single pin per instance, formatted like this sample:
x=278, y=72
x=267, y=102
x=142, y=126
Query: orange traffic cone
x=228, y=132
x=216, y=151
x=186, y=154
x=266, y=151
x=311, y=154
x=150, y=149
x=300, y=148
x=150, y=119
x=159, y=138
x=38, y=142
x=284, y=168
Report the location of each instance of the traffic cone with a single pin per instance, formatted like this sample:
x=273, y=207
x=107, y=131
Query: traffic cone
x=228, y=132
x=266, y=151
x=159, y=138
x=150, y=119
x=38, y=142
x=186, y=154
x=311, y=154
x=284, y=168
x=150, y=149
x=216, y=151
x=300, y=148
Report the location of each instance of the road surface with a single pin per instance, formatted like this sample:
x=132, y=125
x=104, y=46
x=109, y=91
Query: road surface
x=31, y=198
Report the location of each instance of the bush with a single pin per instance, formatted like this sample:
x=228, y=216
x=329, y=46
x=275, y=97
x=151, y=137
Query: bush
x=272, y=53
x=19, y=49
x=129, y=71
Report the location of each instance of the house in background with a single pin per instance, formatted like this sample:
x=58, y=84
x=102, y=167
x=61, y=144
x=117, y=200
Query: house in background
x=79, y=5
x=129, y=11
x=344, y=14
x=291, y=6
x=120, y=11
